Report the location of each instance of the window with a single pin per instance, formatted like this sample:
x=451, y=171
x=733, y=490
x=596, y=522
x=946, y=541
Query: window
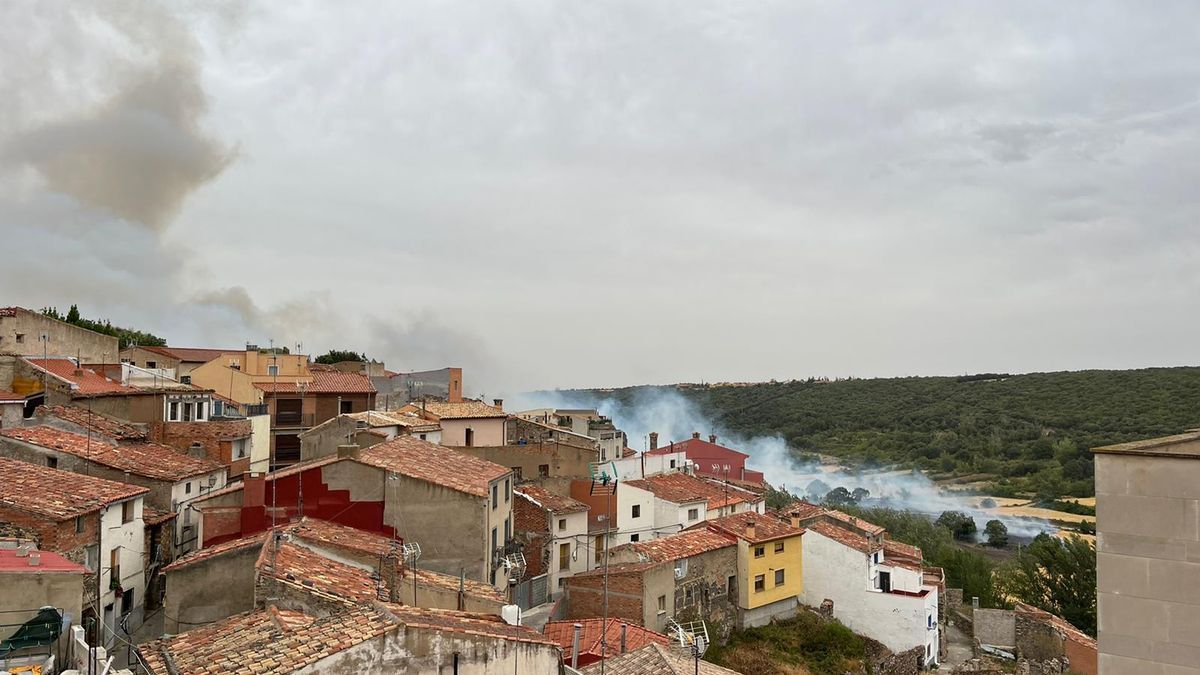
x=78, y=524
x=423, y=437
x=127, y=601
x=672, y=464
x=185, y=379
x=637, y=510
x=878, y=557
x=731, y=585
x=494, y=546
x=778, y=577
x=507, y=490
x=693, y=514
x=562, y=523
x=515, y=469
x=152, y=364
x=779, y=547
x=239, y=448
x=760, y=551
x=564, y=557
x=173, y=411
x=507, y=530
x=544, y=470
x=687, y=596
x=187, y=412
x=634, y=537
x=200, y=410
x=662, y=604
x=91, y=557
x=20, y=338
x=52, y=462
x=272, y=370
x=469, y=438
x=760, y=583
x=114, y=564
x=346, y=407
x=187, y=488
x=599, y=548
x=495, y=495
x=127, y=511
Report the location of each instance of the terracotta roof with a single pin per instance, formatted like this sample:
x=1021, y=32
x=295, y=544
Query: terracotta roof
x=766, y=528
x=209, y=552
x=802, y=510
x=153, y=516
x=843, y=536
x=7, y=396
x=57, y=494
x=697, y=445
x=461, y=410
x=378, y=418
x=684, y=544
x=435, y=464
x=304, y=566
x=656, y=659
x=324, y=382
x=273, y=641
x=85, y=381
x=151, y=460
x=11, y=311
x=636, y=637
x=866, y=527
x=101, y=424
x=619, y=568
x=554, y=503
x=192, y=354
x=679, y=488
x=892, y=548
x=468, y=623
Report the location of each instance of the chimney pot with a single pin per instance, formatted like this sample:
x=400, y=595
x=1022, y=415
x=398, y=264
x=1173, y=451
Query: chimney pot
x=653, y=440
x=498, y=402
x=623, y=627
x=35, y=558
x=712, y=438
x=695, y=435
x=575, y=646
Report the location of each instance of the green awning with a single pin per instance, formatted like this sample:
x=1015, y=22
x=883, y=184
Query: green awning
x=41, y=630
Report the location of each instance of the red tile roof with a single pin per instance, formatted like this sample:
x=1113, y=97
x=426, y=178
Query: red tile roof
x=11, y=311
x=892, y=548
x=766, y=528
x=209, y=552
x=57, y=494
x=554, y=503
x=458, y=410
x=636, y=637
x=49, y=562
x=468, y=623
x=679, y=488
x=101, y=424
x=85, y=381
x=192, y=354
x=656, y=659
x=684, y=544
x=6, y=396
x=843, y=536
x=802, y=510
x=160, y=462
x=324, y=382
x=303, y=566
x=273, y=641
x=697, y=445
x=153, y=516
x=855, y=522
x=435, y=464
x=619, y=568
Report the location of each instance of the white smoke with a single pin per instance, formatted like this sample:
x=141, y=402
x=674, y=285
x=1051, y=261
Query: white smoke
x=675, y=418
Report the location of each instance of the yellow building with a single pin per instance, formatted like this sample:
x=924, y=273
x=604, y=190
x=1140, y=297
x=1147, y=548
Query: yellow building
x=769, y=565
x=234, y=374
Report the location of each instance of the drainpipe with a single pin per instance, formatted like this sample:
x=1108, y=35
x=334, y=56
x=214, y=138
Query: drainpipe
x=575, y=646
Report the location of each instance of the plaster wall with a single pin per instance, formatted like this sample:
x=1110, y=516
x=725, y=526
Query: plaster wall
x=412, y=651
x=211, y=590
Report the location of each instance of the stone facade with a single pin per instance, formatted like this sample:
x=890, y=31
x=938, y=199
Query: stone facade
x=530, y=461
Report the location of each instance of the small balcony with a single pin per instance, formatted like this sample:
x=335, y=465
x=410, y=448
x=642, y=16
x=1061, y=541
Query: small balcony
x=287, y=418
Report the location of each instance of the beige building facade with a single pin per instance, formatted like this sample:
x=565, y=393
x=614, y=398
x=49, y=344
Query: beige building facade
x=22, y=331
x=1148, y=556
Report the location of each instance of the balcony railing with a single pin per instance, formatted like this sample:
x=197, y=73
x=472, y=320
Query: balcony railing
x=293, y=419
x=256, y=409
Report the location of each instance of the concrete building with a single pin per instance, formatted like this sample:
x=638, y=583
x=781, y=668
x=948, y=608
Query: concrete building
x=296, y=407
x=91, y=521
x=233, y=375
x=1148, y=555
x=12, y=408
x=533, y=461
x=644, y=465
x=355, y=638
x=364, y=429
x=458, y=507
x=770, y=566
x=553, y=531
x=172, y=478
x=397, y=389
x=27, y=333
x=465, y=423
x=31, y=579
x=177, y=362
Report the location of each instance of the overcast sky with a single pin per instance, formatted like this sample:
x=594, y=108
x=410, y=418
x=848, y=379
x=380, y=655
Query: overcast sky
x=607, y=193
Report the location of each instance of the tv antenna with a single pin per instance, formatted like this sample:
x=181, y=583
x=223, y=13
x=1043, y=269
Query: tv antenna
x=691, y=636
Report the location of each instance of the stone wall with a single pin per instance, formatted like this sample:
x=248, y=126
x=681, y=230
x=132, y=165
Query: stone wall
x=995, y=627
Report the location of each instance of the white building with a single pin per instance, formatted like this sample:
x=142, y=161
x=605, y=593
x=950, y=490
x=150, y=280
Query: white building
x=882, y=598
x=563, y=524
x=643, y=465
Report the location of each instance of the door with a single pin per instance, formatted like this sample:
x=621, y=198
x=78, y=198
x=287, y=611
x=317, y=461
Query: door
x=885, y=582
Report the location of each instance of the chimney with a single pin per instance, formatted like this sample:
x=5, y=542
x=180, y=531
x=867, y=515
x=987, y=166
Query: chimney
x=575, y=646
x=35, y=558
x=712, y=438
x=498, y=402
x=623, y=627
x=348, y=451
x=254, y=490
x=390, y=574
x=695, y=435
x=653, y=440
x=196, y=450
x=750, y=529
x=795, y=522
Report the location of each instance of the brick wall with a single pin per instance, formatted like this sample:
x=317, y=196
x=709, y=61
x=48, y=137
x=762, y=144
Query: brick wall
x=55, y=536
x=214, y=436
x=585, y=596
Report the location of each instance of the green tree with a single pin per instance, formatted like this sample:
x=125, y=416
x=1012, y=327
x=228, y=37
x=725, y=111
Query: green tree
x=860, y=494
x=1057, y=575
x=73, y=314
x=338, y=355
x=839, y=496
x=997, y=533
x=778, y=498
x=960, y=524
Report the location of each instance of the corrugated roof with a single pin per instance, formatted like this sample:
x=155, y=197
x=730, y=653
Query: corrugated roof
x=57, y=494
x=150, y=460
x=435, y=464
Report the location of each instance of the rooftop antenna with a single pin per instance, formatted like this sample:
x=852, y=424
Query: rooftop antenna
x=604, y=482
x=691, y=637
x=410, y=551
